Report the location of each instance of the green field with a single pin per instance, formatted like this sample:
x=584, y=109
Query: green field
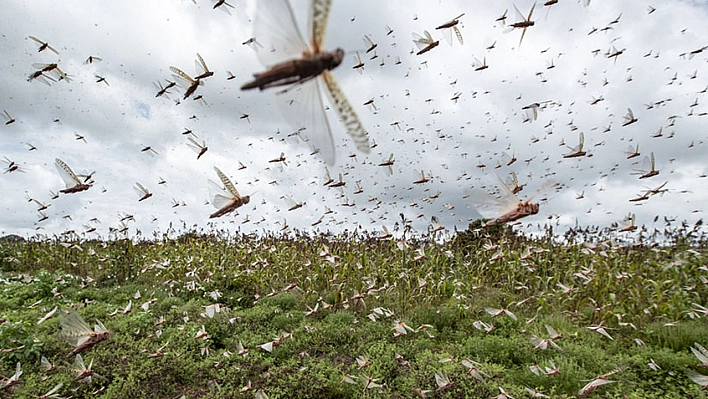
x=407, y=309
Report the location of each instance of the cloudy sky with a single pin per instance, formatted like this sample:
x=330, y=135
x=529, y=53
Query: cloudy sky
x=435, y=113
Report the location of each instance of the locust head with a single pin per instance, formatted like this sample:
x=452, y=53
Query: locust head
x=532, y=208
x=337, y=58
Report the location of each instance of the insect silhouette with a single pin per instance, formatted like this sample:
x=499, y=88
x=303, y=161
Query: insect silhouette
x=43, y=45
x=523, y=23
x=9, y=118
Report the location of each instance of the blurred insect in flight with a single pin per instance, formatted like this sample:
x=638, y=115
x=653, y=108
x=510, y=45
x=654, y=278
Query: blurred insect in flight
x=199, y=148
x=629, y=118
x=370, y=43
x=632, y=151
x=577, y=151
x=648, y=167
x=292, y=63
x=521, y=22
x=187, y=82
x=628, y=223
x=424, y=43
x=507, y=207
x=389, y=164
x=452, y=26
x=222, y=5
x=10, y=119
x=226, y=199
x=73, y=183
x=43, y=45
x=143, y=193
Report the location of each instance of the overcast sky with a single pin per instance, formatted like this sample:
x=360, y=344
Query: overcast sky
x=435, y=112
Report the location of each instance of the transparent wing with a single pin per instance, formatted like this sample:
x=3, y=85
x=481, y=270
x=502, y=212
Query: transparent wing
x=552, y=331
x=291, y=202
x=194, y=144
x=492, y=205
x=422, y=42
x=67, y=174
x=39, y=65
x=51, y=393
x=303, y=108
x=140, y=189
x=512, y=182
x=700, y=352
x=79, y=365
x=44, y=364
x=699, y=379
x=519, y=16
x=441, y=379
x=648, y=163
x=227, y=183
x=652, y=162
x=447, y=34
x=275, y=27
x=318, y=23
x=219, y=197
x=351, y=121
x=183, y=80
x=547, y=185
x=99, y=327
x=73, y=328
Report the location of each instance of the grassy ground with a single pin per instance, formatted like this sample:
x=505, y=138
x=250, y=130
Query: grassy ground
x=322, y=302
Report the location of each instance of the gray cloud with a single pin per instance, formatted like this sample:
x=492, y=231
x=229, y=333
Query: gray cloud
x=139, y=41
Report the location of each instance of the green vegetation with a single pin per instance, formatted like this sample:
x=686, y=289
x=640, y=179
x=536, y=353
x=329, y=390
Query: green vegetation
x=409, y=308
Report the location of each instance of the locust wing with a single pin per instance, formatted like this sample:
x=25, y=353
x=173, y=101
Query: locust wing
x=423, y=41
x=303, y=108
x=351, y=121
x=220, y=198
x=227, y=183
x=491, y=205
x=183, y=80
x=69, y=177
x=42, y=45
x=74, y=329
x=201, y=66
x=318, y=23
x=274, y=25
